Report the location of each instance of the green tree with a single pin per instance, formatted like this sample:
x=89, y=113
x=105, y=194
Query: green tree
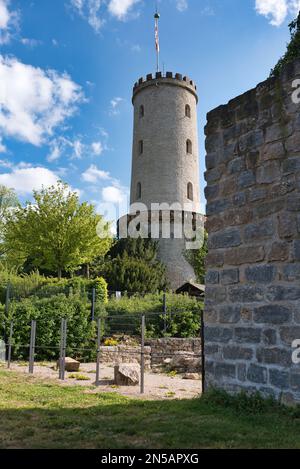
x=293, y=48
x=132, y=266
x=8, y=199
x=196, y=257
x=56, y=231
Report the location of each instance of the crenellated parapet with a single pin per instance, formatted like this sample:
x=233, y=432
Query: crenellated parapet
x=169, y=78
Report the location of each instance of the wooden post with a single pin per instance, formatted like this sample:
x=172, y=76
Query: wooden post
x=10, y=344
x=143, y=355
x=202, y=351
x=98, y=351
x=32, y=346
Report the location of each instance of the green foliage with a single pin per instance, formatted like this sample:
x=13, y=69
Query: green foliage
x=56, y=232
x=196, y=257
x=100, y=286
x=48, y=312
x=132, y=266
x=293, y=48
x=8, y=199
x=183, y=315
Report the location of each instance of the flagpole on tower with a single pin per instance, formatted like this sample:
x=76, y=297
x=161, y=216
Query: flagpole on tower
x=156, y=17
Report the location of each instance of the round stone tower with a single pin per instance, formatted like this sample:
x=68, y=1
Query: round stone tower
x=165, y=162
x=165, y=141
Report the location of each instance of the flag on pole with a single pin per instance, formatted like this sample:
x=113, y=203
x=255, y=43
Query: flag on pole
x=156, y=35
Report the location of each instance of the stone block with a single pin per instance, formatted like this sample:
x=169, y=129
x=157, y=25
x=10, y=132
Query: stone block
x=259, y=231
x=225, y=239
x=246, y=179
x=229, y=314
x=244, y=255
x=272, y=314
x=274, y=356
x=257, y=374
x=225, y=370
x=218, y=334
x=296, y=250
x=247, y=335
x=279, y=251
x=278, y=378
x=261, y=273
x=269, y=336
x=283, y=293
x=287, y=225
x=126, y=375
x=289, y=334
x=229, y=276
x=268, y=173
x=212, y=277
x=237, y=353
x=291, y=272
x=245, y=294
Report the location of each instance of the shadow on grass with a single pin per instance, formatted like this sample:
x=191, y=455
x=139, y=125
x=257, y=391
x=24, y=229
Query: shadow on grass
x=75, y=419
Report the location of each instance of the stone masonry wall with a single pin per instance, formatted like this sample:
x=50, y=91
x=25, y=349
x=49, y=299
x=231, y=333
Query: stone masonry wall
x=168, y=347
x=252, y=310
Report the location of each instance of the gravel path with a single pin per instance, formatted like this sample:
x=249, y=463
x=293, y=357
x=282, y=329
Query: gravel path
x=157, y=385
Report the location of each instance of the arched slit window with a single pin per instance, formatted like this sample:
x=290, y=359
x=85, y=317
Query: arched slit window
x=139, y=191
x=142, y=111
x=189, y=147
x=190, y=194
x=141, y=147
x=187, y=110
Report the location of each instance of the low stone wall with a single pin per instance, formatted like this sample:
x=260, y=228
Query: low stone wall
x=125, y=354
x=162, y=349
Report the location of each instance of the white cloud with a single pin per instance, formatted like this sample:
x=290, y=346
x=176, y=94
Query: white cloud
x=26, y=179
x=93, y=175
x=181, y=5
x=90, y=11
x=2, y=147
x=97, y=148
x=33, y=102
x=30, y=42
x=121, y=8
x=277, y=10
x=114, y=106
x=8, y=20
x=113, y=194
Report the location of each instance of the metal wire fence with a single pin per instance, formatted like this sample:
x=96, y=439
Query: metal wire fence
x=127, y=324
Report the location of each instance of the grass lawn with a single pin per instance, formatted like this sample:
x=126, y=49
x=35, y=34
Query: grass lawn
x=35, y=414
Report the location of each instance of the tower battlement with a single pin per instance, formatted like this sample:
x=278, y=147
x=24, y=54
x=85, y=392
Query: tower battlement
x=169, y=78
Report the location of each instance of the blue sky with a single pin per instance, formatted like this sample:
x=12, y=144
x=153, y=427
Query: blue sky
x=67, y=68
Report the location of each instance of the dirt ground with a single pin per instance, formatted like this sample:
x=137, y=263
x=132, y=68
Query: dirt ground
x=157, y=385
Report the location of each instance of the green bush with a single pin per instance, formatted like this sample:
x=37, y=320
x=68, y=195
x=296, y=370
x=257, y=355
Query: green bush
x=183, y=315
x=48, y=312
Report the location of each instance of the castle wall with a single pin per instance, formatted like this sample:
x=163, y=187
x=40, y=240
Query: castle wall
x=252, y=310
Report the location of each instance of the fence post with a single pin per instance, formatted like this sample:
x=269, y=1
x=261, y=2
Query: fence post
x=63, y=342
x=93, y=303
x=7, y=299
x=10, y=344
x=143, y=355
x=32, y=346
x=202, y=352
x=165, y=311
x=98, y=351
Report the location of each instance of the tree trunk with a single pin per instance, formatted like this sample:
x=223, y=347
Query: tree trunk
x=87, y=271
x=59, y=273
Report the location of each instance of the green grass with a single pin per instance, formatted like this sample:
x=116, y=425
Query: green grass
x=36, y=414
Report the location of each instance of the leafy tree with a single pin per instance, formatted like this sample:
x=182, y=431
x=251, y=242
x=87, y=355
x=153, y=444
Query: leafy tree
x=8, y=199
x=132, y=266
x=196, y=257
x=56, y=231
x=293, y=48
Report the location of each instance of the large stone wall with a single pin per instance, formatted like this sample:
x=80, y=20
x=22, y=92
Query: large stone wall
x=252, y=310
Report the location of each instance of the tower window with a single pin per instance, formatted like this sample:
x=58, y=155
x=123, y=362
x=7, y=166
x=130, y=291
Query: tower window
x=142, y=111
x=141, y=147
x=190, y=192
x=189, y=147
x=188, y=111
x=139, y=191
